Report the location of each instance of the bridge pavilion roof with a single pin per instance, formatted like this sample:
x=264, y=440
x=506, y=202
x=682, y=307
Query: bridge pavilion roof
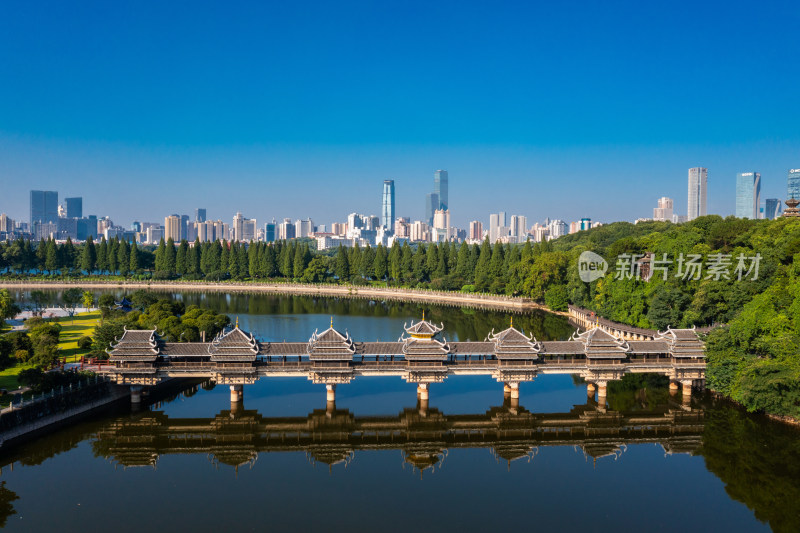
x=330, y=345
x=136, y=345
x=422, y=344
x=512, y=343
x=423, y=329
x=233, y=345
x=682, y=342
x=597, y=344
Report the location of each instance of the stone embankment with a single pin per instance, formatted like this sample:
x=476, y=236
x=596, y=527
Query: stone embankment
x=447, y=298
x=55, y=408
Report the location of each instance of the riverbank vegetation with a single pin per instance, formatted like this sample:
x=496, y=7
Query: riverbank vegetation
x=705, y=272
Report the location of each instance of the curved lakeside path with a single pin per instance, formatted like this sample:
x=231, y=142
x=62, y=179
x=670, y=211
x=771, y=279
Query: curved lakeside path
x=490, y=301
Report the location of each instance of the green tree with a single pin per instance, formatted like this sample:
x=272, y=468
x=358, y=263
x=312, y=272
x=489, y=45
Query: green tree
x=316, y=271
x=134, y=262
x=8, y=309
x=161, y=253
x=483, y=274
x=70, y=299
x=342, y=268
x=51, y=256
x=181, y=258
x=380, y=263
x=123, y=258
x=87, y=299
x=88, y=256
x=169, y=257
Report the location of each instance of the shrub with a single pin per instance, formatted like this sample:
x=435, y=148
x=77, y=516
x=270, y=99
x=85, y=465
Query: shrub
x=85, y=343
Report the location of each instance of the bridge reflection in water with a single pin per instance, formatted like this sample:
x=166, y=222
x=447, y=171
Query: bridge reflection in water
x=332, y=436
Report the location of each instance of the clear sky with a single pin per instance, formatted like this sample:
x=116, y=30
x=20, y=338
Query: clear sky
x=296, y=109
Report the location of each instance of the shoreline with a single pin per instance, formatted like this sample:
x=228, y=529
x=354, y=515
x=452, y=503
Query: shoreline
x=511, y=303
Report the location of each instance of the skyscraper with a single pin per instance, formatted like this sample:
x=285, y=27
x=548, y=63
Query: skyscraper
x=440, y=189
x=772, y=208
x=431, y=205
x=793, y=189
x=172, y=228
x=519, y=228
x=199, y=215
x=748, y=194
x=74, y=207
x=44, y=207
x=387, y=207
x=475, y=230
x=698, y=184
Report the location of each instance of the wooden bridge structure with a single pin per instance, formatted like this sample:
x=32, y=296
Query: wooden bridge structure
x=422, y=356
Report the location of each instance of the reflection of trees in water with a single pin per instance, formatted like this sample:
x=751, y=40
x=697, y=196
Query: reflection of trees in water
x=759, y=462
x=6, y=505
x=469, y=324
x=638, y=392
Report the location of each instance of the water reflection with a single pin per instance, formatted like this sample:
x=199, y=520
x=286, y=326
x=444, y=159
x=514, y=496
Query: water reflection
x=423, y=434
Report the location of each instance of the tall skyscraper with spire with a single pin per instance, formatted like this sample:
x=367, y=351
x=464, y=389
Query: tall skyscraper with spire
x=440, y=188
x=698, y=184
x=387, y=206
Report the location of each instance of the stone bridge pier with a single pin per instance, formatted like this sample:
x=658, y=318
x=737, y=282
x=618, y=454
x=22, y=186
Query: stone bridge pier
x=237, y=394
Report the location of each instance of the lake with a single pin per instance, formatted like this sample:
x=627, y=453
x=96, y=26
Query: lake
x=285, y=460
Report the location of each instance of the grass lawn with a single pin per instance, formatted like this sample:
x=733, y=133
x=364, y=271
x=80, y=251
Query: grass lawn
x=8, y=377
x=83, y=326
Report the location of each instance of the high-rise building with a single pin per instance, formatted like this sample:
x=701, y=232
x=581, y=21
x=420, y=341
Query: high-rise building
x=772, y=208
x=441, y=190
x=663, y=213
x=270, y=231
x=74, y=207
x=748, y=194
x=185, y=227
x=238, y=226
x=199, y=215
x=497, y=227
x=286, y=229
x=519, y=228
x=475, y=230
x=303, y=228
x=586, y=223
x=431, y=205
x=44, y=207
x=402, y=227
x=793, y=182
x=557, y=228
x=6, y=224
x=420, y=231
x=698, y=185
x=172, y=228
x=387, y=206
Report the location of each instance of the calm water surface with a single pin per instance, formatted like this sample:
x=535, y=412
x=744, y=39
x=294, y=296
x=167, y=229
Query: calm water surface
x=284, y=460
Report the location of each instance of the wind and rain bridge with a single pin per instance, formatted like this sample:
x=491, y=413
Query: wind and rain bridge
x=422, y=355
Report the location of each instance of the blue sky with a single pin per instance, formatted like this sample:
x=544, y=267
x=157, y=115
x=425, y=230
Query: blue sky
x=295, y=109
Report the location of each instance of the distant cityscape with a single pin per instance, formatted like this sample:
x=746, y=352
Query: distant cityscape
x=63, y=221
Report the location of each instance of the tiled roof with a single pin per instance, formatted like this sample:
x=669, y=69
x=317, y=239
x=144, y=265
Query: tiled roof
x=513, y=342
x=423, y=328
x=233, y=343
